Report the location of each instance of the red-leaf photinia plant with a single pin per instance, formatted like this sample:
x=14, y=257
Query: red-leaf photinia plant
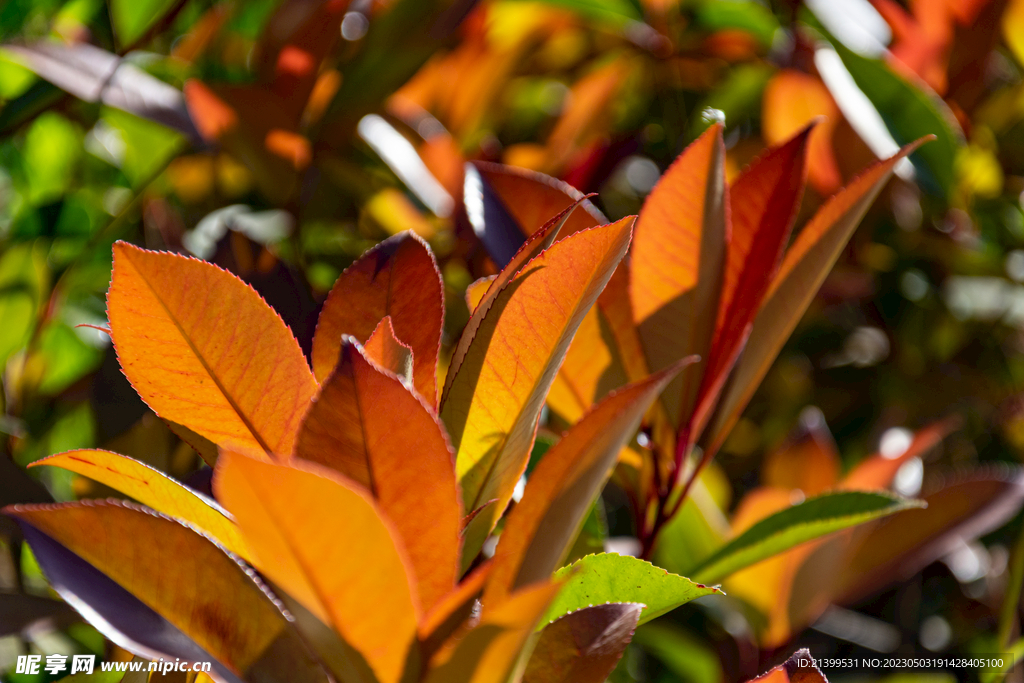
x=374, y=515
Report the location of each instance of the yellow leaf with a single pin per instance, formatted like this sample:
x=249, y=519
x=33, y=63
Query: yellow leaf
x=153, y=488
x=326, y=543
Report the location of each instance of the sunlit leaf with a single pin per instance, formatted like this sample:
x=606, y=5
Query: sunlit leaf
x=805, y=266
x=495, y=399
x=561, y=489
x=183, y=577
x=387, y=351
x=763, y=205
x=524, y=252
x=910, y=111
x=152, y=488
x=211, y=354
x=792, y=100
x=397, y=278
x=487, y=653
x=678, y=262
x=607, y=577
x=368, y=426
x=583, y=647
x=326, y=543
x=803, y=522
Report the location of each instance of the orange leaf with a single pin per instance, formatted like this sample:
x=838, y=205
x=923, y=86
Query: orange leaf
x=488, y=652
x=547, y=197
x=385, y=349
x=477, y=290
x=534, y=245
x=177, y=573
x=452, y=611
x=678, y=259
x=806, y=264
x=809, y=463
x=326, y=543
x=368, y=426
x=204, y=350
x=792, y=100
x=763, y=205
x=153, y=488
x=541, y=529
x=399, y=278
x=878, y=471
x=495, y=399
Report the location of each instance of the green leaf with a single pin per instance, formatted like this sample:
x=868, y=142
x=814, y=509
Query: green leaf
x=806, y=521
x=131, y=18
x=909, y=112
x=24, y=281
x=738, y=98
x=615, y=12
x=52, y=148
x=751, y=17
x=607, y=577
x=147, y=145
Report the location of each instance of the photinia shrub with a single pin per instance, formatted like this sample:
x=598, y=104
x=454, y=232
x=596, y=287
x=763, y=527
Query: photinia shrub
x=353, y=497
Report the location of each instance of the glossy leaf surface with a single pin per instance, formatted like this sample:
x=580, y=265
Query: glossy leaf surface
x=153, y=488
x=202, y=357
x=564, y=485
x=805, y=266
x=608, y=577
x=397, y=278
x=806, y=521
x=492, y=409
x=368, y=426
x=583, y=647
x=182, y=576
x=678, y=261
x=326, y=544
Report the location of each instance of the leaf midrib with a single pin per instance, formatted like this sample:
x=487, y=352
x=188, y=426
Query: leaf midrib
x=206, y=366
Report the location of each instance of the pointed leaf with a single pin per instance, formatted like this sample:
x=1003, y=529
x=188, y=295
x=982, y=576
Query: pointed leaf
x=95, y=75
x=492, y=409
x=204, y=350
x=560, y=491
x=180, y=575
x=452, y=611
x=477, y=290
x=153, y=488
x=878, y=471
x=806, y=264
x=762, y=204
x=546, y=197
x=387, y=351
x=114, y=611
x=487, y=653
x=608, y=577
x=370, y=427
x=528, y=249
x=583, y=647
x=679, y=257
x=811, y=519
x=959, y=510
x=326, y=543
x=399, y=278
x=799, y=668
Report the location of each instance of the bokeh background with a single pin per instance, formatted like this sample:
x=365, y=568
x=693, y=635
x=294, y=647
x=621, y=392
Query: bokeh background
x=107, y=131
